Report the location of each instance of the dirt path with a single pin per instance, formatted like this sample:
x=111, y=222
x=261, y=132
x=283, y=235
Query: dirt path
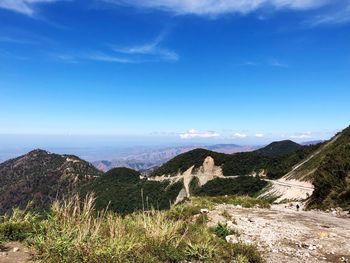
x=285, y=235
x=14, y=252
x=289, y=190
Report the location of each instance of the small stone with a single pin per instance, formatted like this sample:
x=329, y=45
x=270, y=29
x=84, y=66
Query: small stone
x=204, y=211
x=15, y=249
x=312, y=247
x=231, y=239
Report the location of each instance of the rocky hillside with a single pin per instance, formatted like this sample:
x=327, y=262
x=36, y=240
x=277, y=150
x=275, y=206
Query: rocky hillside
x=274, y=160
x=41, y=177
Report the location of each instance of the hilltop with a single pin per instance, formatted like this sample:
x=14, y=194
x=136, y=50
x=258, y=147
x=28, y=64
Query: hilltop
x=281, y=148
x=41, y=177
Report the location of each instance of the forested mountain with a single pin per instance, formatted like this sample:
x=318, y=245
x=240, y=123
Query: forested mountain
x=41, y=177
x=274, y=160
x=281, y=148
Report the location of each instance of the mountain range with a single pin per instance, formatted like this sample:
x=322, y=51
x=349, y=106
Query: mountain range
x=147, y=158
x=41, y=177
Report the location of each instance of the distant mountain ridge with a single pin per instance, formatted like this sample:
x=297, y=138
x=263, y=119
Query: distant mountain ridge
x=151, y=158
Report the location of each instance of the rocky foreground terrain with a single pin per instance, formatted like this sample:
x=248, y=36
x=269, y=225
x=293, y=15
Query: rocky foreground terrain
x=283, y=234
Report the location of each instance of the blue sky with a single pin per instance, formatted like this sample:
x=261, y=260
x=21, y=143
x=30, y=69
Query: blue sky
x=174, y=70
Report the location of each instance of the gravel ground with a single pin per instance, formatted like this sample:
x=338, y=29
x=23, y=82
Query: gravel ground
x=283, y=234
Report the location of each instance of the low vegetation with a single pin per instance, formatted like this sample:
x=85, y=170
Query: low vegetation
x=74, y=232
x=243, y=185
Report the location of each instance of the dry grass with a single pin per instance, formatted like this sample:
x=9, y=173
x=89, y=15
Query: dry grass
x=74, y=232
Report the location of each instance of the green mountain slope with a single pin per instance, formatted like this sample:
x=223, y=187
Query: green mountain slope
x=41, y=177
x=330, y=173
x=332, y=180
x=122, y=190
x=306, y=169
x=275, y=159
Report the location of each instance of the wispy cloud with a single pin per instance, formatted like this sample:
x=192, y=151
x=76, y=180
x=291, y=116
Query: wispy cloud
x=194, y=134
x=149, y=52
x=91, y=56
x=64, y=58
x=152, y=48
x=238, y=135
x=259, y=135
x=250, y=63
x=340, y=16
x=11, y=40
x=304, y=135
x=265, y=63
x=26, y=7
x=99, y=56
x=217, y=7
x=277, y=63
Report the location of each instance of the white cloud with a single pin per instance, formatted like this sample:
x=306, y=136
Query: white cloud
x=216, y=7
x=238, y=135
x=259, y=135
x=193, y=134
x=152, y=48
x=25, y=7
x=305, y=135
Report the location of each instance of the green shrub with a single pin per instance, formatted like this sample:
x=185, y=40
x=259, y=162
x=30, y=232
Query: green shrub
x=221, y=230
x=246, y=253
x=201, y=251
x=18, y=226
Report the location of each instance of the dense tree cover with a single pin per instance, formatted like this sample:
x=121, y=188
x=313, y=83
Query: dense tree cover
x=276, y=160
x=122, y=190
x=243, y=185
x=281, y=148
